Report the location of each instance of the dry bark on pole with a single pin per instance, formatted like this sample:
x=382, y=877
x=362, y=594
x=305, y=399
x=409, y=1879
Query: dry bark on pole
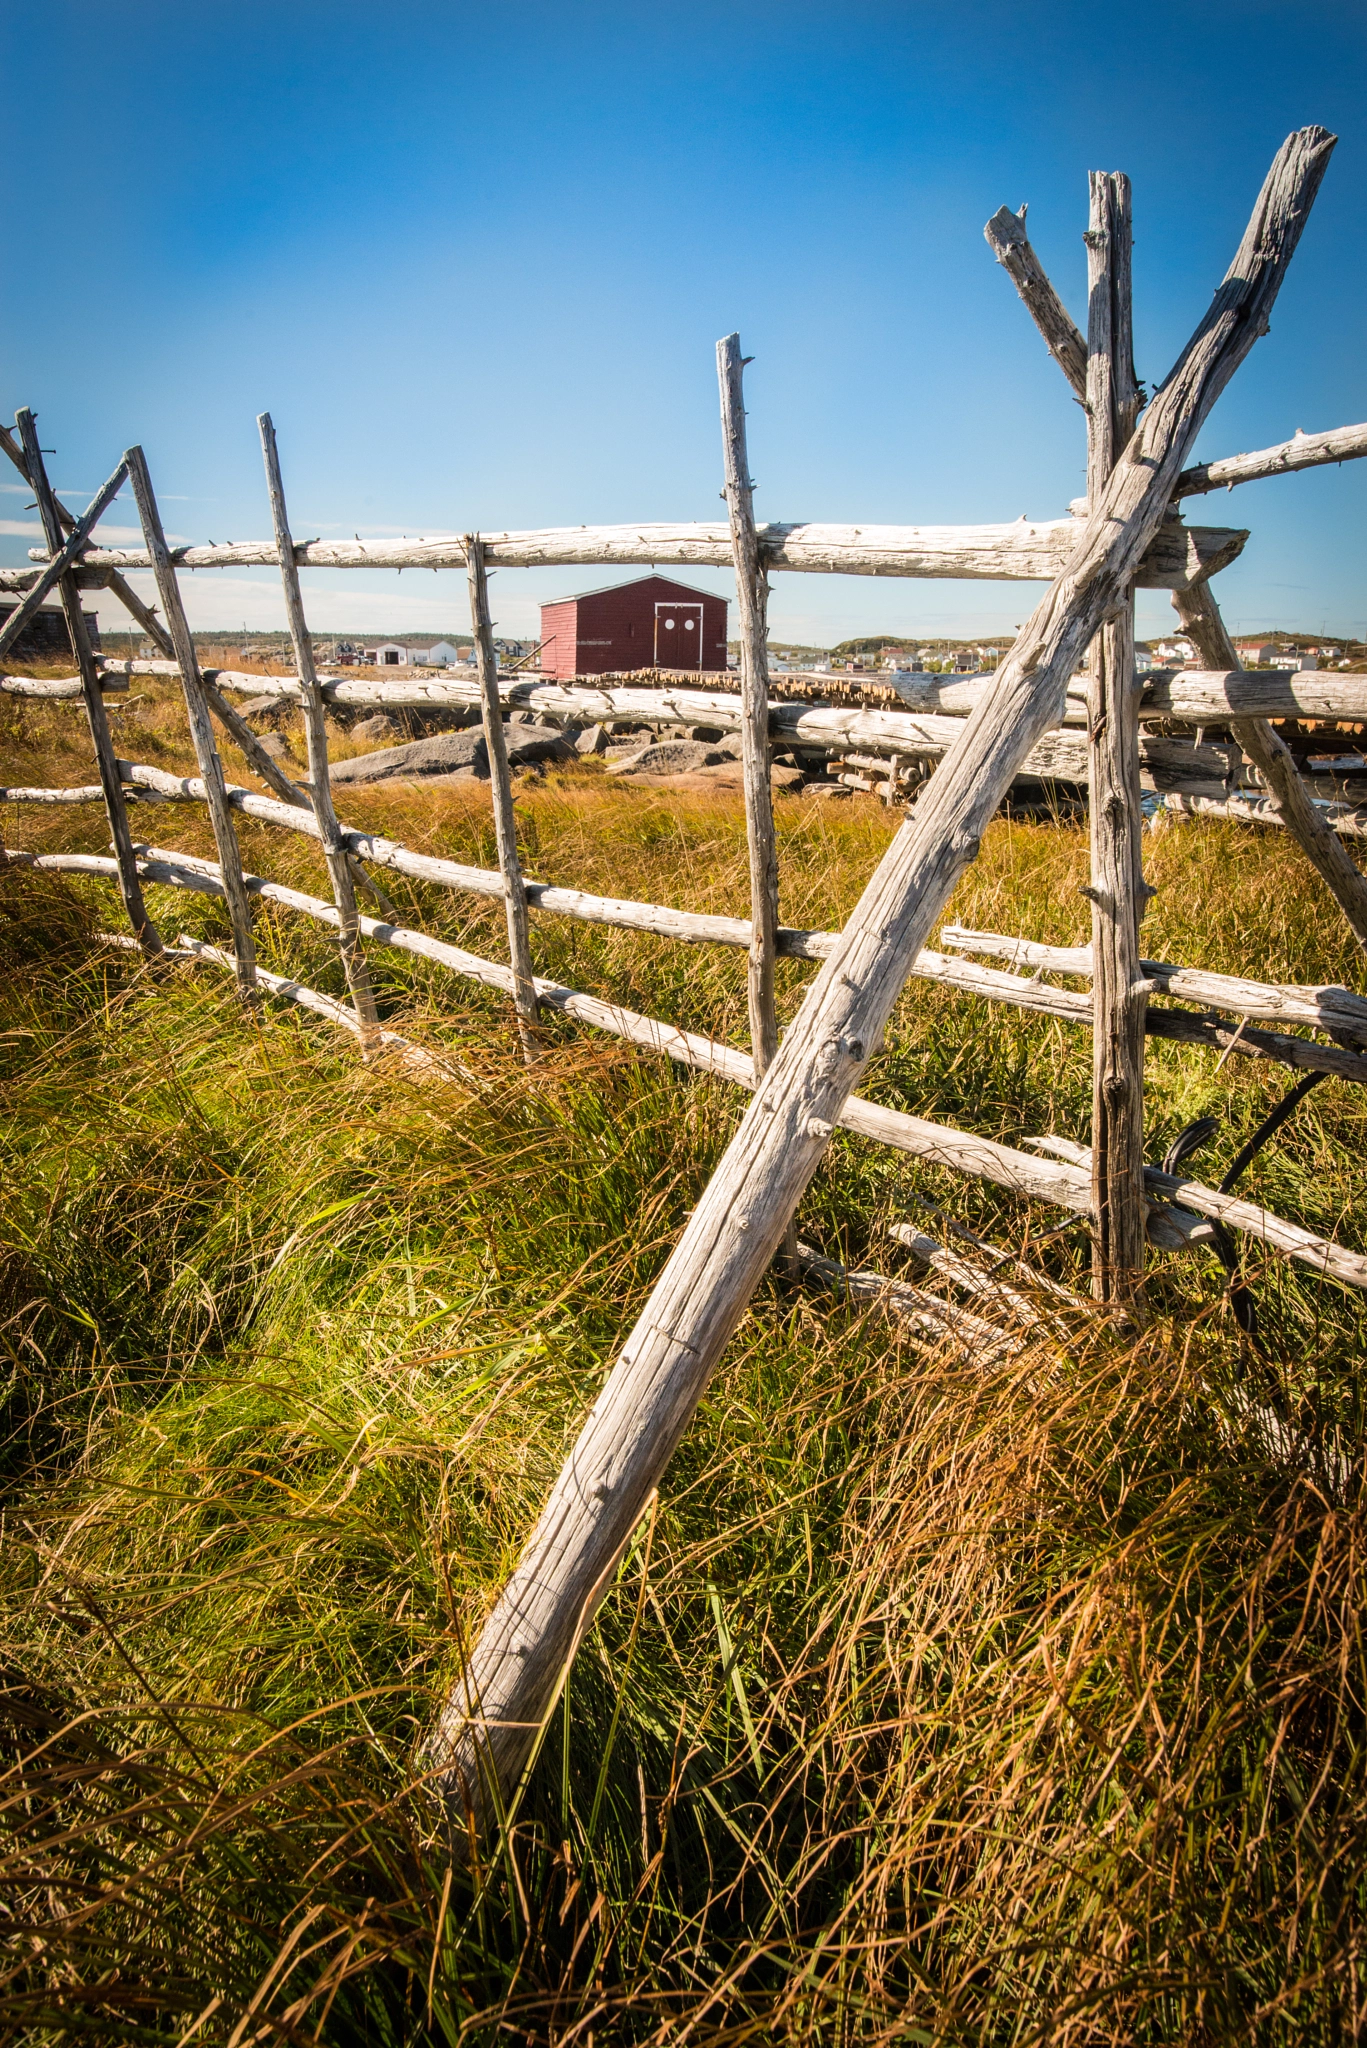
x=1028, y=550
x=329, y=832
x=197, y=712
x=1115, y=810
x=501, y=786
x=752, y=599
x=1010, y=245
x=489, y=1725
x=130, y=888
x=1303, y=451
x=1270, y=755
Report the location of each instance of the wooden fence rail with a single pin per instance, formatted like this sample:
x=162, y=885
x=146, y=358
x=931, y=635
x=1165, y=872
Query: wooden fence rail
x=1049, y=1180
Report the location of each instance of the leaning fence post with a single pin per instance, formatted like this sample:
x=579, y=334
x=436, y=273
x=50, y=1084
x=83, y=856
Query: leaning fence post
x=329, y=832
x=501, y=783
x=197, y=711
x=488, y=1727
x=752, y=593
x=130, y=887
x=1115, y=808
x=1270, y=755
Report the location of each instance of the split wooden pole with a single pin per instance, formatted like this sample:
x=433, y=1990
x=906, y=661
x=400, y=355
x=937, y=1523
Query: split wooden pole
x=116, y=809
x=1115, y=809
x=1009, y=243
x=490, y=1722
x=501, y=786
x=1270, y=755
x=752, y=601
x=201, y=725
x=329, y=832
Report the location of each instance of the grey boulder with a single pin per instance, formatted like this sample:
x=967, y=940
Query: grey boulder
x=669, y=757
x=446, y=753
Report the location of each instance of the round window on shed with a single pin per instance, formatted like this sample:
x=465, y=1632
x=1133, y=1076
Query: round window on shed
x=669, y=625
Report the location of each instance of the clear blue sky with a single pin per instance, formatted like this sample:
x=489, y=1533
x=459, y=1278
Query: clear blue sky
x=475, y=259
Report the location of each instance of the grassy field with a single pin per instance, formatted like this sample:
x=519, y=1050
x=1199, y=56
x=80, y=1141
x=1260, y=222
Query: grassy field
x=932, y=1703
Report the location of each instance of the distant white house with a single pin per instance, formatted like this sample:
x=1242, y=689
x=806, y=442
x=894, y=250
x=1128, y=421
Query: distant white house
x=391, y=655
x=442, y=655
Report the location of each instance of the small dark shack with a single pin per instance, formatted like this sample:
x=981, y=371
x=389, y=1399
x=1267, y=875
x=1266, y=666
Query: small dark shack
x=653, y=623
x=45, y=637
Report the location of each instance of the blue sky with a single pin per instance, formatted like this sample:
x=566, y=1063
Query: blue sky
x=475, y=259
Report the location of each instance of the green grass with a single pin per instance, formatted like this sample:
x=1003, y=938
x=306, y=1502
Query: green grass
x=930, y=1704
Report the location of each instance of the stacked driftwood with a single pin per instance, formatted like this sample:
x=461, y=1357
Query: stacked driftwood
x=1203, y=739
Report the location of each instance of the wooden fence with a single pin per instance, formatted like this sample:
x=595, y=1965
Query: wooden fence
x=966, y=741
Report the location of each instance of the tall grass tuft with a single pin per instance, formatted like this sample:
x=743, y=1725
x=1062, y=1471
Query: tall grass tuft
x=932, y=1702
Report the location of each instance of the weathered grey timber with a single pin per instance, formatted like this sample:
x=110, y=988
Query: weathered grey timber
x=1215, y=696
x=35, y=470
x=197, y=712
x=59, y=686
x=501, y=787
x=485, y=1732
x=1303, y=451
x=238, y=730
x=704, y=928
x=1065, y=1180
x=1269, y=753
x=1115, y=813
x=329, y=833
x=86, y=793
x=1059, y=755
x=752, y=604
x=1349, y=820
x=145, y=616
x=1010, y=245
x=1325, y=1008
x=1197, y=696
x=1024, y=550
x=64, y=558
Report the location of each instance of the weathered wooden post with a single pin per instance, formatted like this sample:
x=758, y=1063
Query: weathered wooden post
x=752, y=601
x=501, y=785
x=1010, y=245
x=130, y=887
x=197, y=711
x=329, y=832
x=1115, y=809
x=1270, y=755
x=490, y=1721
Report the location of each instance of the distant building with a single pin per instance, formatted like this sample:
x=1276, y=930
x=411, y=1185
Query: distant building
x=442, y=655
x=652, y=623
x=1254, y=653
x=391, y=655
x=45, y=637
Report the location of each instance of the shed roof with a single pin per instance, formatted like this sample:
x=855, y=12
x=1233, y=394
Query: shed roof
x=601, y=589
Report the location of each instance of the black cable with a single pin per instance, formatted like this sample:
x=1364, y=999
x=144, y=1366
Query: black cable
x=1270, y=1123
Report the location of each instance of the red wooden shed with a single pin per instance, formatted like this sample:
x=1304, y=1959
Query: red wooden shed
x=653, y=623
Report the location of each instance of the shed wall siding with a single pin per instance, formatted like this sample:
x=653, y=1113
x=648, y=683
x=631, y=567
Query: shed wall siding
x=612, y=631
